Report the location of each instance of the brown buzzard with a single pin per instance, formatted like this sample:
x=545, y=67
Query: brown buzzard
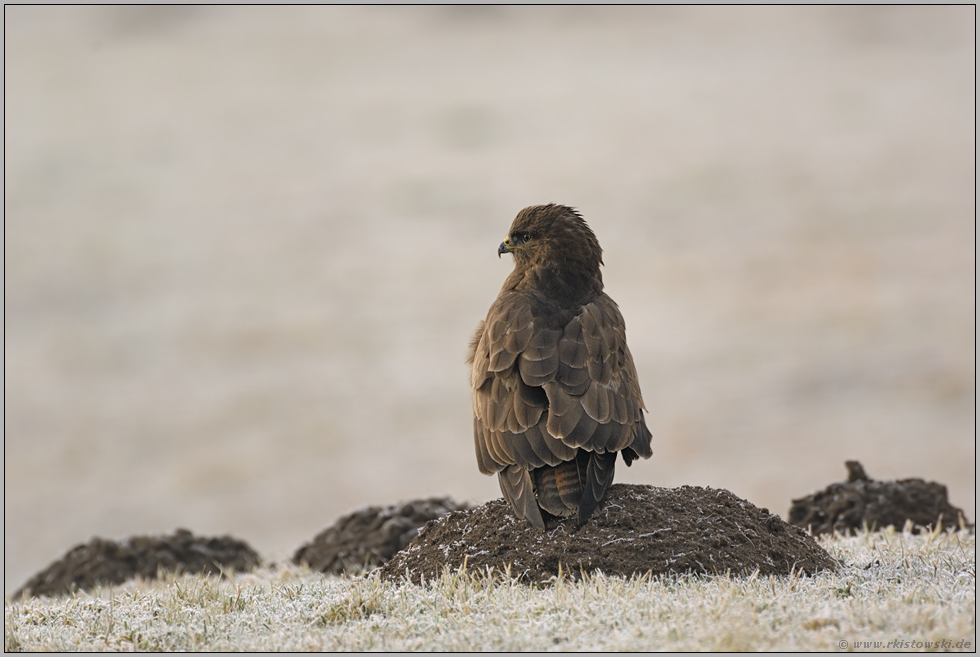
x=555, y=393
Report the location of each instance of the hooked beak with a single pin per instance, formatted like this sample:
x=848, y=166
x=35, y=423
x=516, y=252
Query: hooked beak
x=509, y=247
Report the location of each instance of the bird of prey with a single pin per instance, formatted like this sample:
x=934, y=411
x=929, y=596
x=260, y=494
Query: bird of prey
x=555, y=392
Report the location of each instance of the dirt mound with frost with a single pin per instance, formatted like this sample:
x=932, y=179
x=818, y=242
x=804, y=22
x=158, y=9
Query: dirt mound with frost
x=371, y=536
x=636, y=530
x=862, y=501
x=102, y=562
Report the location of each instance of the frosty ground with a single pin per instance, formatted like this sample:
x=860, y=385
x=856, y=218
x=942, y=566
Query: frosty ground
x=895, y=591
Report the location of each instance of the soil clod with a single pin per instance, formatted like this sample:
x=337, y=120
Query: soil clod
x=104, y=562
x=369, y=537
x=861, y=501
x=636, y=530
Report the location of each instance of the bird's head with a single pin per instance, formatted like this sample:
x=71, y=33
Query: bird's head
x=554, y=242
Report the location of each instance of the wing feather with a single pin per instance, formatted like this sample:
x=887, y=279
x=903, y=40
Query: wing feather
x=498, y=448
x=598, y=476
x=513, y=425
x=484, y=461
x=620, y=410
x=528, y=448
x=549, y=449
x=538, y=371
x=583, y=432
x=527, y=408
x=515, y=484
x=602, y=435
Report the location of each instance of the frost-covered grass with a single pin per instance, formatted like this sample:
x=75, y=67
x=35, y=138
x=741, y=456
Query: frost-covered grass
x=894, y=587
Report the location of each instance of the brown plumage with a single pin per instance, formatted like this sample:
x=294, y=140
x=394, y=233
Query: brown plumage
x=555, y=393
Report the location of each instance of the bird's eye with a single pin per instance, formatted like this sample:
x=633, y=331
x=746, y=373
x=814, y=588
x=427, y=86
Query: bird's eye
x=526, y=237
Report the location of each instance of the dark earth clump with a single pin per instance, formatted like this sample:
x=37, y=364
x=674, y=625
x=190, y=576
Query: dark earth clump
x=102, y=562
x=849, y=506
x=371, y=536
x=636, y=530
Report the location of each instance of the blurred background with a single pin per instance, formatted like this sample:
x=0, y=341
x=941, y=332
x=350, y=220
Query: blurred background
x=245, y=250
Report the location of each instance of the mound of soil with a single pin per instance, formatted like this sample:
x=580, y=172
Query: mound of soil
x=101, y=562
x=861, y=501
x=636, y=529
x=368, y=538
